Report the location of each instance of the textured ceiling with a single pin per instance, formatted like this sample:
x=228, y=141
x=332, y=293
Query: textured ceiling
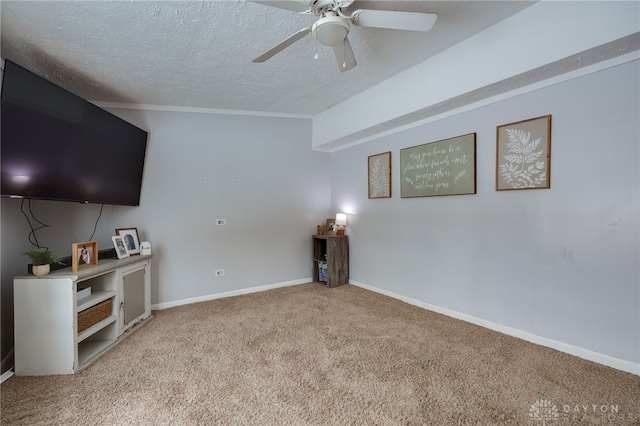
x=198, y=53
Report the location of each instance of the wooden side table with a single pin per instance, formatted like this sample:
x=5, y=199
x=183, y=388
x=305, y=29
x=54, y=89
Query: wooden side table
x=331, y=251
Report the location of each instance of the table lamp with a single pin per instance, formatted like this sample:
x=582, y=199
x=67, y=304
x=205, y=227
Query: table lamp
x=341, y=221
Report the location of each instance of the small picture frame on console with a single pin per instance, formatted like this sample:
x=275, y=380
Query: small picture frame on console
x=131, y=239
x=119, y=246
x=84, y=255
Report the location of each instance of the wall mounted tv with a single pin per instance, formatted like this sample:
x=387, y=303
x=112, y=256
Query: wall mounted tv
x=55, y=145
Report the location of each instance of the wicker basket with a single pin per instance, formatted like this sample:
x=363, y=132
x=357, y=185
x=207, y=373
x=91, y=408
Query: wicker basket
x=94, y=314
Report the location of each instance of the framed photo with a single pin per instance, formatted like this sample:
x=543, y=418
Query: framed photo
x=331, y=227
x=121, y=249
x=131, y=239
x=84, y=255
x=523, y=154
x=380, y=175
x=446, y=167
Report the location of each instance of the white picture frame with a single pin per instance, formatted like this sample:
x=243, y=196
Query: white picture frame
x=118, y=245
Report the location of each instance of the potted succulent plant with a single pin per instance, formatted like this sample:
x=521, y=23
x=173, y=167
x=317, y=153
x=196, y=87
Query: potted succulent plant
x=42, y=260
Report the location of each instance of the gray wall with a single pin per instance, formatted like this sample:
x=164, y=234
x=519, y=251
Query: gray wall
x=561, y=263
x=258, y=173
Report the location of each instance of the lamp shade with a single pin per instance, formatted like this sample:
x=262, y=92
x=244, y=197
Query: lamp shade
x=341, y=219
x=331, y=29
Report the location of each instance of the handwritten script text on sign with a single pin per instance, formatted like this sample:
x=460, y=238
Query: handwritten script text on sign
x=439, y=168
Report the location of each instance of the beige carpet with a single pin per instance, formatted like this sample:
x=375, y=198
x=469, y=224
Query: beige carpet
x=308, y=355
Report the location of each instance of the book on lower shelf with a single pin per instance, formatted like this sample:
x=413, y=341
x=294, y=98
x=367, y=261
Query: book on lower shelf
x=83, y=292
x=322, y=271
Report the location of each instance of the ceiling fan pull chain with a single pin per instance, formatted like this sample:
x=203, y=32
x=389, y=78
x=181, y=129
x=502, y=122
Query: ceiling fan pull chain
x=344, y=53
x=316, y=55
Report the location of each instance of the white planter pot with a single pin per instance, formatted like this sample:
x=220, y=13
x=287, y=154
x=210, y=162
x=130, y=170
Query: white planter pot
x=41, y=269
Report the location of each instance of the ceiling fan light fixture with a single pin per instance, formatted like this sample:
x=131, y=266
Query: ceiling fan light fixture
x=331, y=30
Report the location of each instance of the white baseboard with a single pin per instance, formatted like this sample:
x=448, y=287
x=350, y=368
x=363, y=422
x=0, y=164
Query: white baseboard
x=619, y=364
x=166, y=305
x=6, y=376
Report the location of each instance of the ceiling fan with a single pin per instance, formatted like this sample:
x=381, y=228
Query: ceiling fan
x=333, y=24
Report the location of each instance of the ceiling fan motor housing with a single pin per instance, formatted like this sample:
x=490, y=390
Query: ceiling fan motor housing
x=318, y=5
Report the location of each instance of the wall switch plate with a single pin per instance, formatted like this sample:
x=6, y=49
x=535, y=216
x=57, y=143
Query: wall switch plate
x=221, y=221
x=220, y=273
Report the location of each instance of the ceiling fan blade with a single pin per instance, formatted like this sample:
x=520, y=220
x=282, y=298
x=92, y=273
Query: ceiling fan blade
x=283, y=45
x=394, y=20
x=344, y=3
x=344, y=55
x=292, y=5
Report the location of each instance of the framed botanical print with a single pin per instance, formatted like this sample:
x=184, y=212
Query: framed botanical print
x=380, y=175
x=523, y=154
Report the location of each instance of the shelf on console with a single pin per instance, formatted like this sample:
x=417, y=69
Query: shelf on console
x=92, y=349
x=96, y=327
x=95, y=298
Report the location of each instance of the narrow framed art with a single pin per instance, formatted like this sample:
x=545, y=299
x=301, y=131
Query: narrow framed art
x=523, y=154
x=379, y=166
x=84, y=255
x=131, y=239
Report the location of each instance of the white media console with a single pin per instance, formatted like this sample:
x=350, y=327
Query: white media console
x=47, y=340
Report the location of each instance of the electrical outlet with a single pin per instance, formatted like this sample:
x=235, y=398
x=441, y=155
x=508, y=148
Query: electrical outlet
x=221, y=221
x=220, y=273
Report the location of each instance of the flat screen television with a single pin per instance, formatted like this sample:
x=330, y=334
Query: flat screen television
x=55, y=145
